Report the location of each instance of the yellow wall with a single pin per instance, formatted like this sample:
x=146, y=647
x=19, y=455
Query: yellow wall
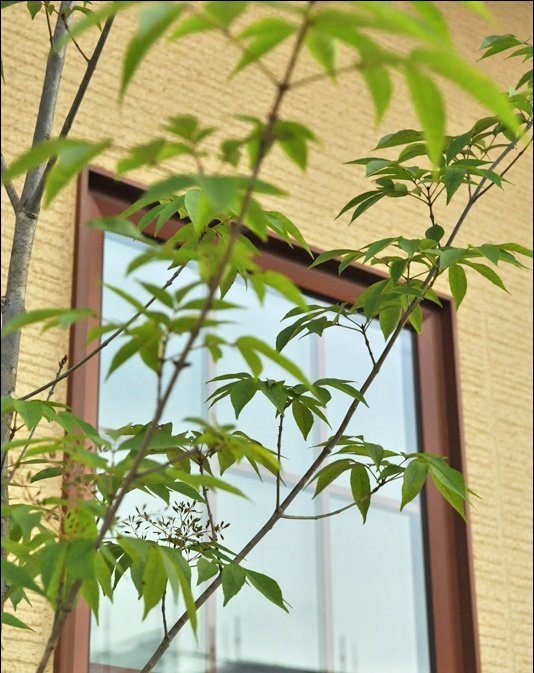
x=494, y=328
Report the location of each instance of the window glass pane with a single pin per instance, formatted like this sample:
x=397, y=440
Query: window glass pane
x=378, y=591
x=357, y=594
x=265, y=322
x=250, y=630
x=122, y=638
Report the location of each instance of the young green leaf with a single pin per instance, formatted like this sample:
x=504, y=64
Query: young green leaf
x=268, y=587
x=74, y=156
x=303, y=417
x=323, y=49
x=488, y=273
x=361, y=488
x=154, y=579
x=430, y=109
x=262, y=36
x=11, y=620
x=233, y=578
x=413, y=480
x=154, y=20
x=241, y=393
x=329, y=473
x=457, y=283
x=453, y=177
x=389, y=319
x=206, y=570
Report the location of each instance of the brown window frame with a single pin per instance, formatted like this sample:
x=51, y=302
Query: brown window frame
x=454, y=638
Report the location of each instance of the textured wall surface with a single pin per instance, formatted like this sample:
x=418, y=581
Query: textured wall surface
x=494, y=328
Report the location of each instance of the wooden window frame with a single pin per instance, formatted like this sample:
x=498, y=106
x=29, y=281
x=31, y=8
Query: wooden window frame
x=454, y=640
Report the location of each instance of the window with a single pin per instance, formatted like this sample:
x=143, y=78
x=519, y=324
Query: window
x=343, y=607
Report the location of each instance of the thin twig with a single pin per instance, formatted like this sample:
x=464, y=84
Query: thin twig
x=315, y=517
x=17, y=464
x=363, y=331
x=428, y=282
x=163, y=615
x=105, y=343
x=77, y=46
x=91, y=66
x=10, y=188
x=208, y=507
x=279, y=456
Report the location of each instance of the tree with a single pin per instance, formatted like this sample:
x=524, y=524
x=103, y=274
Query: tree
x=220, y=212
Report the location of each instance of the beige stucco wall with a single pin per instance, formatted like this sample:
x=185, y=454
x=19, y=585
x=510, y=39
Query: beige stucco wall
x=494, y=328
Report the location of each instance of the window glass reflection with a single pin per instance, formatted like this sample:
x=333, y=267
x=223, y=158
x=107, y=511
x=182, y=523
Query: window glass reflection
x=357, y=593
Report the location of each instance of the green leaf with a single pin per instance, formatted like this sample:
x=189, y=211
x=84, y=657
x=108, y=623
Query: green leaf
x=435, y=233
x=285, y=228
x=323, y=49
x=151, y=153
x=11, y=620
x=30, y=411
x=413, y=480
x=405, y=137
x=154, y=20
x=389, y=319
x=63, y=317
x=303, y=417
x=450, y=494
x=33, y=7
x=265, y=34
x=450, y=256
x=416, y=319
x=90, y=591
x=268, y=587
x=206, y=570
x=491, y=252
x=477, y=84
x=494, y=44
x=225, y=13
x=16, y=576
x=344, y=387
x=430, y=109
x=327, y=256
x=366, y=204
x=233, y=578
x=488, y=273
x=154, y=579
x=361, y=488
x=274, y=392
x=124, y=353
x=515, y=247
x=183, y=573
x=249, y=342
x=433, y=18
x=375, y=452
x=72, y=158
x=285, y=287
x=192, y=24
x=479, y=8
x=377, y=247
x=457, y=283
x=453, y=178
x=328, y=474
x=199, y=209
x=378, y=82
x=241, y=394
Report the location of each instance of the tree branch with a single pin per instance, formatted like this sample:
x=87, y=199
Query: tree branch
x=10, y=189
x=280, y=512
x=25, y=226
